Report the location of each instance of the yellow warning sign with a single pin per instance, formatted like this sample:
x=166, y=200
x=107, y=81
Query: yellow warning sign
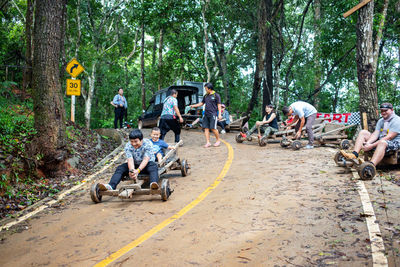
x=73, y=87
x=74, y=68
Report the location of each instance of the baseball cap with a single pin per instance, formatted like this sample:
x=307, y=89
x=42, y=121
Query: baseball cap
x=223, y=105
x=386, y=106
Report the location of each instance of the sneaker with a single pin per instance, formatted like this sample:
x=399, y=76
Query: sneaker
x=308, y=146
x=154, y=186
x=178, y=142
x=207, y=145
x=189, y=125
x=259, y=136
x=223, y=132
x=105, y=187
x=217, y=143
x=347, y=155
x=243, y=135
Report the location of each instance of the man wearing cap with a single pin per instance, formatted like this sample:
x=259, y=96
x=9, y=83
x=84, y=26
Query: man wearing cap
x=385, y=138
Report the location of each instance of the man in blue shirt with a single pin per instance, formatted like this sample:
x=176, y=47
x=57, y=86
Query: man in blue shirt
x=140, y=158
x=120, y=104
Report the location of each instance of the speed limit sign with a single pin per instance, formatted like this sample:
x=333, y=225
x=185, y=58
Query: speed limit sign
x=73, y=87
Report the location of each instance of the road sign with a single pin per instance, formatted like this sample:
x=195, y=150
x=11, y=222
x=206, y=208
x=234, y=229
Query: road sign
x=74, y=68
x=73, y=87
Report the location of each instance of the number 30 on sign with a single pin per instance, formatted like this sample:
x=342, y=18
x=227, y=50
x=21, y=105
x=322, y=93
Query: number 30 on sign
x=73, y=87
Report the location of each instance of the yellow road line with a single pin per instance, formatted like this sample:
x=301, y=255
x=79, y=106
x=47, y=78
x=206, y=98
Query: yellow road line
x=174, y=217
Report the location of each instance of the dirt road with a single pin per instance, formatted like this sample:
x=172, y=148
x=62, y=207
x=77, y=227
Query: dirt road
x=274, y=207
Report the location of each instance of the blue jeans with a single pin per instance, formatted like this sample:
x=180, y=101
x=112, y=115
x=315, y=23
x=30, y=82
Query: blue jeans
x=123, y=171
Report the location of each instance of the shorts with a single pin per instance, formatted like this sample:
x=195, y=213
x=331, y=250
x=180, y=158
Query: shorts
x=209, y=122
x=392, y=145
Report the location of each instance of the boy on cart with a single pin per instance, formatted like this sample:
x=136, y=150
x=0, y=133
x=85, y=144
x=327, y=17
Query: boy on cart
x=158, y=144
x=385, y=138
x=140, y=158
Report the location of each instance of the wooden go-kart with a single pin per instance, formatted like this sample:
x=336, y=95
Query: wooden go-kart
x=333, y=133
x=170, y=162
x=366, y=170
x=324, y=133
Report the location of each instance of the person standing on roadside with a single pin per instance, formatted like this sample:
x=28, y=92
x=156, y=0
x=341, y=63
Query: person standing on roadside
x=120, y=104
x=168, y=120
x=212, y=113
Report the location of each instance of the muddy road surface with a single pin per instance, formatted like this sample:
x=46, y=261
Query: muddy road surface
x=268, y=206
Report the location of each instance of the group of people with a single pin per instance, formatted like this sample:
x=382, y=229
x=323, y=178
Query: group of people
x=142, y=154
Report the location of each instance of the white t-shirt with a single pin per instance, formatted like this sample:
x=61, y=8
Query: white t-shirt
x=392, y=126
x=303, y=109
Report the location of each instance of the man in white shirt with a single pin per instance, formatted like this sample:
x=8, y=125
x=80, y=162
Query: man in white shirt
x=304, y=114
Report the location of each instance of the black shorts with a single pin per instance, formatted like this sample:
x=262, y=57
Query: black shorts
x=209, y=122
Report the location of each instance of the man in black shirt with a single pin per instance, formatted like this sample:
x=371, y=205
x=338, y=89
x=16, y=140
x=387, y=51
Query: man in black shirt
x=212, y=113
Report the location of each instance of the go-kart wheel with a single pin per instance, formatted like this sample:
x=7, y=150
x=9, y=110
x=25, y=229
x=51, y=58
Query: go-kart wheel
x=95, y=194
x=239, y=138
x=339, y=159
x=344, y=144
x=296, y=144
x=367, y=171
x=284, y=143
x=249, y=138
x=184, y=168
x=262, y=141
x=165, y=190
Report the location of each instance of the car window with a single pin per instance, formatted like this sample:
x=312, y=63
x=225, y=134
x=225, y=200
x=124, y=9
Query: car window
x=194, y=98
x=150, y=108
x=163, y=96
x=187, y=100
x=158, y=99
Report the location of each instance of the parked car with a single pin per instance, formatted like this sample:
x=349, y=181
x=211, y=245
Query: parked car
x=187, y=95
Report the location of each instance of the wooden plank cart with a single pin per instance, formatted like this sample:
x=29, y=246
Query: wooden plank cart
x=366, y=170
x=170, y=162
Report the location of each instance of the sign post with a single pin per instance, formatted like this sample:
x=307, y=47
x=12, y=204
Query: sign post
x=74, y=68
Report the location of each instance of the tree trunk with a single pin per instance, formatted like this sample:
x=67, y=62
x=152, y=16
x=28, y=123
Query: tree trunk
x=27, y=77
x=203, y=15
x=261, y=53
x=365, y=70
x=268, y=89
x=317, y=65
x=47, y=97
x=142, y=70
x=90, y=93
x=160, y=58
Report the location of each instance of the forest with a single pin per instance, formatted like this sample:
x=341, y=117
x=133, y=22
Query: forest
x=255, y=52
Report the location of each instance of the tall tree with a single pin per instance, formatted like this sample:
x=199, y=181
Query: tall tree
x=142, y=80
x=268, y=90
x=317, y=53
x=47, y=97
x=367, y=60
x=260, y=54
x=27, y=78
